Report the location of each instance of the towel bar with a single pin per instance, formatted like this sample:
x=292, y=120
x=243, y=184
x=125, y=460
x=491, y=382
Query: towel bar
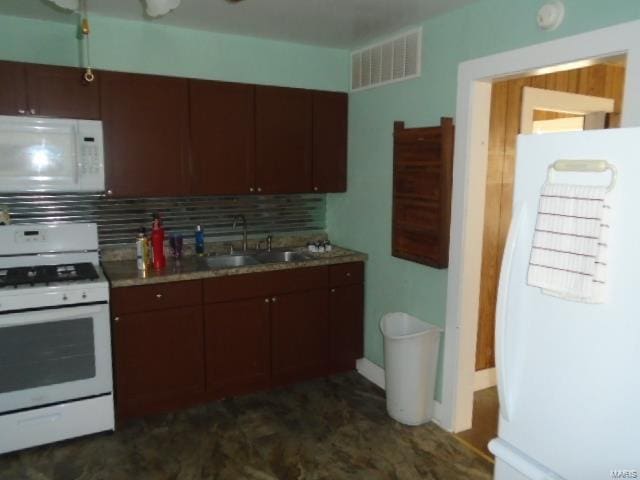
x=584, y=166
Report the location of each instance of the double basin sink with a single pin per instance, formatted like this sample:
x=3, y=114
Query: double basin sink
x=247, y=259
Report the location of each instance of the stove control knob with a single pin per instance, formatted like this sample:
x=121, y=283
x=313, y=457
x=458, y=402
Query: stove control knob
x=64, y=297
x=84, y=295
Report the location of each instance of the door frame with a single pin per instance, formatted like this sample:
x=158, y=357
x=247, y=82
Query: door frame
x=555, y=101
x=469, y=182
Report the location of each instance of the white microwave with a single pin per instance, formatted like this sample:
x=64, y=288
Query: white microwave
x=50, y=155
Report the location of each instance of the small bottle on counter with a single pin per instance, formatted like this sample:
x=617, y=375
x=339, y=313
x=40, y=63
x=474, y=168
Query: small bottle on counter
x=199, y=240
x=142, y=250
x=157, y=243
x=327, y=246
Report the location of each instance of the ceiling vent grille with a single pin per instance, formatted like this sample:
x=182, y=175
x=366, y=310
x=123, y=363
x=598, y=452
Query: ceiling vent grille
x=390, y=61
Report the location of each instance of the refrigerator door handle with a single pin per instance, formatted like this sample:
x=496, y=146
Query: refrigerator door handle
x=504, y=395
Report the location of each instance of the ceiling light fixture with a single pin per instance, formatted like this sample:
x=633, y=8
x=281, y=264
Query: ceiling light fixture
x=155, y=8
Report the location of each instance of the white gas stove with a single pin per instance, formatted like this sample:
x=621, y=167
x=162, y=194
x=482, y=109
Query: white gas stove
x=55, y=341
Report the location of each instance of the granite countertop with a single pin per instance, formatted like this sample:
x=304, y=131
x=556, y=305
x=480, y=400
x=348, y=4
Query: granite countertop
x=124, y=273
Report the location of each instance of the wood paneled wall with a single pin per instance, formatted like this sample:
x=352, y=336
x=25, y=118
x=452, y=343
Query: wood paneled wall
x=506, y=101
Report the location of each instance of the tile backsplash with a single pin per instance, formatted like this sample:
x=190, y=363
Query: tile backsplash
x=119, y=219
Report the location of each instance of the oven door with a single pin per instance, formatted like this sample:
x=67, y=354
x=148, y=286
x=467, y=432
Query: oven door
x=54, y=355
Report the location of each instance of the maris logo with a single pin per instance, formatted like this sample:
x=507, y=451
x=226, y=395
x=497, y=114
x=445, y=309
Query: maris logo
x=624, y=474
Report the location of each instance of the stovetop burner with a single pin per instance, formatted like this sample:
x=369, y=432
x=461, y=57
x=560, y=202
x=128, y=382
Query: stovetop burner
x=16, y=276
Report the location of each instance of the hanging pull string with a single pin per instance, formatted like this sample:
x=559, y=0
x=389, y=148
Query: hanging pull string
x=86, y=30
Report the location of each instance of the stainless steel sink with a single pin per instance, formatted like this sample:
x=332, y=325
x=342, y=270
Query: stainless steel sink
x=231, y=261
x=279, y=256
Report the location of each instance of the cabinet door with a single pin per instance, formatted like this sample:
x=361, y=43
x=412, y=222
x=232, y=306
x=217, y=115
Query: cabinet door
x=300, y=330
x=330, y=124
x=13, y=88
x=159, y=360
x=62, y=92
x=283, y=140
x=237, y=347
x=222, y=137
x=145, y=121
x=346, y=311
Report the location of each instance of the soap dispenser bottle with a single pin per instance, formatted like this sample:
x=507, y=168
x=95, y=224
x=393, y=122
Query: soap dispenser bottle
x=199, y=233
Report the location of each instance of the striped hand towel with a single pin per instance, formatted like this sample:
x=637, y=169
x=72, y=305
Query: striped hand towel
x=569, y=254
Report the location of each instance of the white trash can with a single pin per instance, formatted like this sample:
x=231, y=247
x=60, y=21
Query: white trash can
x=410, y=361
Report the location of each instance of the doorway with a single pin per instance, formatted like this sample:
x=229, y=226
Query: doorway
x=569, y=100
x=473, y=102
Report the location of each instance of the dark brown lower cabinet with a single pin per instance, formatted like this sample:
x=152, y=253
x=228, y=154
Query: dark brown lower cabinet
x=237, y=347
x=300, y=334
x=253, y=332
x=158, y=360
x=346, y=311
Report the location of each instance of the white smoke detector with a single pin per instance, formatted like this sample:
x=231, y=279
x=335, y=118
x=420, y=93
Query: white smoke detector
x=550, y=15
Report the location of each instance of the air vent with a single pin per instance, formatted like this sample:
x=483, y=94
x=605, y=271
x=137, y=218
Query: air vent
x=390, y=61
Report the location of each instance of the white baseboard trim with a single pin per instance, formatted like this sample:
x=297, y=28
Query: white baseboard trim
x=437, y=414
x=484, y=379
x=375, y=374
x=372, y=372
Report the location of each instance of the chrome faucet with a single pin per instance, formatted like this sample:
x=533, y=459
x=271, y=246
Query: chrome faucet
x=244, y=230
x=269, y=239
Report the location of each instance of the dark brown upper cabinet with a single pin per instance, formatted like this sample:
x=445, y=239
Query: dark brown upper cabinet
x=47, y=91
x=145, y=121
x=222, y=137
x=284, y=120
x=422, y=176
x=13, y=88
x=330, y=118
x=62, y=92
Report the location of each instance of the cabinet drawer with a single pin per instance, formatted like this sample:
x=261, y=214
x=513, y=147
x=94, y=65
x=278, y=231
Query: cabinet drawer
x=346, y=274
x=235, y=287
x=156, y=297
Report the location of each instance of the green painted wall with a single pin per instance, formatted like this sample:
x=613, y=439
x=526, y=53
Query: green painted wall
x=146, y=47
x=361, y=218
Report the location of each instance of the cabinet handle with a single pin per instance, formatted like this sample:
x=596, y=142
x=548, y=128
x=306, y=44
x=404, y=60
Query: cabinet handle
x=158, y=295
x=259, y=189
x=348, y=274
x=22, y=111
x=32, y=111
x=274, y=299
x=315, y=189
x=333, y=290
x=116, y=319
x=251, y=189
x=266, y=300
x=109, y=192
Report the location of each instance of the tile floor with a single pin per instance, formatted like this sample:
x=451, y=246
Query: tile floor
x=334, y=428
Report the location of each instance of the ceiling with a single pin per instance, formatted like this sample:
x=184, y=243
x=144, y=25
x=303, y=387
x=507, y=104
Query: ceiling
x=331, y=23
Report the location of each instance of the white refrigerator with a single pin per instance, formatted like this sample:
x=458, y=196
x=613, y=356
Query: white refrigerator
x=569, y=372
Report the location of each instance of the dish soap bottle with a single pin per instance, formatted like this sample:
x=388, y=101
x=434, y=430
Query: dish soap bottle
x=142, y=250
x=157, y=243
x=199, y=240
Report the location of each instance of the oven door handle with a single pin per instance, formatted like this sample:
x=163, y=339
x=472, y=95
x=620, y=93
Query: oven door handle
x=50, y=315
